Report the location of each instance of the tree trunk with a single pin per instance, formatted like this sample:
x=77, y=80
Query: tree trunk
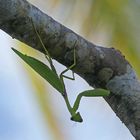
x=100, y=67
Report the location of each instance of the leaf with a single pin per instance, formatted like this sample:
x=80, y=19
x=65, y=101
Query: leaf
x=43, y=70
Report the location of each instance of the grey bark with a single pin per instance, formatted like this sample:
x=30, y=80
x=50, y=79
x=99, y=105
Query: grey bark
x=99, y=66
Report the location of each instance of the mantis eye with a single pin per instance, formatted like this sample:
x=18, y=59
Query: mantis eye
x=77, y=117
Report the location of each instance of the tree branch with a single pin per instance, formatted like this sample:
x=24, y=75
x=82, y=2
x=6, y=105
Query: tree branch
x=99, y=66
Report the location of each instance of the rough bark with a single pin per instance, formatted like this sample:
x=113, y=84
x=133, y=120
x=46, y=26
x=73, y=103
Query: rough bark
x=99, y=66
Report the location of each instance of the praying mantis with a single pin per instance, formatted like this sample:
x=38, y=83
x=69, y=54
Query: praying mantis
x=57, y=81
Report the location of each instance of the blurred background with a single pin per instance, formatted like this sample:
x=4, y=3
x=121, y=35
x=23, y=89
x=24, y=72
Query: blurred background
x=30, y=109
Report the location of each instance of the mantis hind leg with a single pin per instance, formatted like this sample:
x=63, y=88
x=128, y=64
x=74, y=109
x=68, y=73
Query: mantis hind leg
x=47, y=55
x=71, y=78
x=62, y=75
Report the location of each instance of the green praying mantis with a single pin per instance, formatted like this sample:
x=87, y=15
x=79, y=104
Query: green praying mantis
x=57, y=81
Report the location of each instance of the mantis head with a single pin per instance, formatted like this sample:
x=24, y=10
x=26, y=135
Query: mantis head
x=77, y=117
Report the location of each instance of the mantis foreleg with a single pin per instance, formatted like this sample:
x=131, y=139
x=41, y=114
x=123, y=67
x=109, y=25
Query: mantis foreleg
x=90, y=93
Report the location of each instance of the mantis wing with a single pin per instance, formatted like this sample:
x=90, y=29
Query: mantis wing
x=43, y=70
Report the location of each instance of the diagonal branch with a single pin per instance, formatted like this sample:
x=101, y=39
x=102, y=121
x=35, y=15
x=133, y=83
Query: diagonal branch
x=99, y=66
